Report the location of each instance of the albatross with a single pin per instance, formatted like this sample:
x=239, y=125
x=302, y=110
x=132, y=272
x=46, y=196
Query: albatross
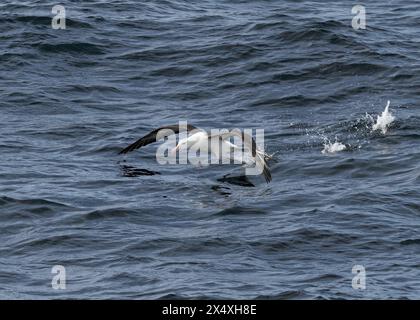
x=199, y=139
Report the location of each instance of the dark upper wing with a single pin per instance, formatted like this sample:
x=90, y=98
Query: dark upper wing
x=151, y=137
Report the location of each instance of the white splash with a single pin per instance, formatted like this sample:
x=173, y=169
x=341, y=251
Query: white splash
x=330, y=147
x=384, y=121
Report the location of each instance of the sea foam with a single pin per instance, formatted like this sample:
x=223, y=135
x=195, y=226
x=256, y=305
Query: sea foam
x=330, y=147
x=384, y=120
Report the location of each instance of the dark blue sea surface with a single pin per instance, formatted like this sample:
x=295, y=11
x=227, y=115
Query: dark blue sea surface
x=128, y=227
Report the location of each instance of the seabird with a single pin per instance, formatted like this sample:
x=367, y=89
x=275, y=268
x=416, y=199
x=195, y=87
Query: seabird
x=200, y=139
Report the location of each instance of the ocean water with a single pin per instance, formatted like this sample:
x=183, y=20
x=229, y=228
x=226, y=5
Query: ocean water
x=342, y=193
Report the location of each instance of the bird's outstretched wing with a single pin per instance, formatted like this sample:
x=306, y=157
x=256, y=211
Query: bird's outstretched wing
x=151, y=137
x=250, y=144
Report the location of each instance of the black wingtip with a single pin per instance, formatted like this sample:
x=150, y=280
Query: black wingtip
x=267, y=174
x=129, y=149
x=124, y=151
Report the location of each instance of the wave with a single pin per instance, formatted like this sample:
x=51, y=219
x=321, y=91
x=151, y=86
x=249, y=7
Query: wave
x=410, y=242
x=109, y=213
x=303, y=236
x=285, y=295
x=4, y=200
x=206, y=55
x=330, y=30
x=72, y=47
x=79, y=88
x=46, y=21
x=241, y=211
